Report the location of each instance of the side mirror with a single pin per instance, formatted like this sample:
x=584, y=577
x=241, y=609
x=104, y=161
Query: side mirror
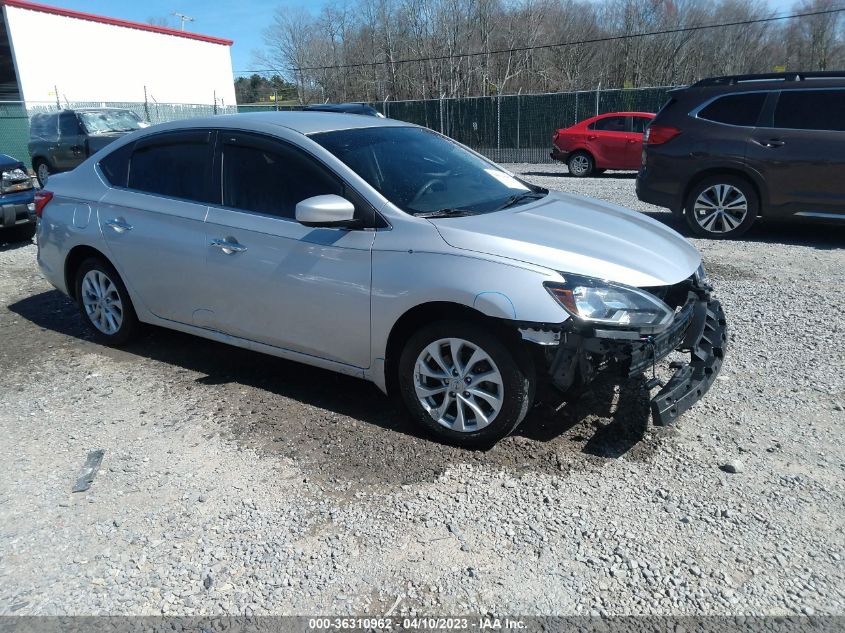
x=326, y=211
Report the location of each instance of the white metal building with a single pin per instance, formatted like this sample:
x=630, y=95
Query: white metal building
x=54, y=55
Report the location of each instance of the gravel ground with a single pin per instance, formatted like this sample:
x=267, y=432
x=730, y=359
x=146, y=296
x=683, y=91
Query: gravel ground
x=242, y=484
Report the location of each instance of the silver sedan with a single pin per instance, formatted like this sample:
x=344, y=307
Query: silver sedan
x=381, y=250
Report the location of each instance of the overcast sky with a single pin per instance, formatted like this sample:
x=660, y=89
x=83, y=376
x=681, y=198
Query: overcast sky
x=241, y=21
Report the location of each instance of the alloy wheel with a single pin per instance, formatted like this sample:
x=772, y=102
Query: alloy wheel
x=579, y=164
x=43, y=174
x=101, y=301
x=720, y=208
x=458, y=384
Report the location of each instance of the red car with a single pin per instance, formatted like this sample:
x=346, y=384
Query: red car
x=607, y=141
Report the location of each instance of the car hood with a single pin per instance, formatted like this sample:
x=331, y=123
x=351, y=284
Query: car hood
x=578, y=235
x=7, y=162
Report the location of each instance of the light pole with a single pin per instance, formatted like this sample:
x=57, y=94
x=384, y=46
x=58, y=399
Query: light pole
x=182, y=19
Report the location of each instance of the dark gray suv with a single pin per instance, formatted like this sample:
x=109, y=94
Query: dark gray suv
x=59, y=141
x=728, y=150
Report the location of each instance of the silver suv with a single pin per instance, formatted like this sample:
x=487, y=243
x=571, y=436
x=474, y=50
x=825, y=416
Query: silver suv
x=381, y=250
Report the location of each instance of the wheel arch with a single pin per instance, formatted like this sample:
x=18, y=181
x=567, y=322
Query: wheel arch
x=74, y=259
x=727, y=171
x=426, y=313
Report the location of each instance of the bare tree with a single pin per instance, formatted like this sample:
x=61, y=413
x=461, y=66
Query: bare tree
x=411, y=49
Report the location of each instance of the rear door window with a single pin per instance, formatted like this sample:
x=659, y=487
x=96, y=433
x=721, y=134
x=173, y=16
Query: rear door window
x=738, y=109
x=640, y=123
x=68, y=124
x=174, y=164
x=611, y=124
x=811, y=110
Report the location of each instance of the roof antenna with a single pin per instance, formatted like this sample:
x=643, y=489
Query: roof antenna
x=182, y=19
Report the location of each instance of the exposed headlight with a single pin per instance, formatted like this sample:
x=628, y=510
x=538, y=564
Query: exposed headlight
x=606, y=303
x=700, y=273
x=15, y=180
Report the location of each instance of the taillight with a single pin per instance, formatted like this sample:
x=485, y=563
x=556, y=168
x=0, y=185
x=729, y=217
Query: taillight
x=659, y=134
x=41, y=200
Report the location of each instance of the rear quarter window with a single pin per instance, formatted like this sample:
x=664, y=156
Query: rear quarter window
x=115, y=166
x=737, y=109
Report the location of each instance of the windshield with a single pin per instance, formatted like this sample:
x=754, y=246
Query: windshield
x=99, y=121
x=424, y=173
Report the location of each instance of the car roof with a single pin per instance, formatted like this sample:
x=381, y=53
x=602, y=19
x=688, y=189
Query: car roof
x=335, y=107
x=607, y=114
x=305, y=122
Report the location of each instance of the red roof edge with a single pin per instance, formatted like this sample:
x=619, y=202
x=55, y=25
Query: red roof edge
x=68, y=13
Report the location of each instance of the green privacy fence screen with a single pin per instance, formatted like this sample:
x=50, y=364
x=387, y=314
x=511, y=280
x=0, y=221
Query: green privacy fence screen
x=508, y=128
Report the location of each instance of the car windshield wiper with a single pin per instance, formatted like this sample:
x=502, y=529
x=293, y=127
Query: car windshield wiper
x=522, y=197
x=446, y=213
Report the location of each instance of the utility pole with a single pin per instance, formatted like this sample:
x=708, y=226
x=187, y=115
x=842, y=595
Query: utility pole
x=182, y=19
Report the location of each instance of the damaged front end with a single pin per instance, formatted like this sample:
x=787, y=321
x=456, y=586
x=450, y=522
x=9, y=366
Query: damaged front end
x=575, y=351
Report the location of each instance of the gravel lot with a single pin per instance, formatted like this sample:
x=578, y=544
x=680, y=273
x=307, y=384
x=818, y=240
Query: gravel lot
x=238, y=483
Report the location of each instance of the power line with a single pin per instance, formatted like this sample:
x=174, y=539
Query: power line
x=521, y=49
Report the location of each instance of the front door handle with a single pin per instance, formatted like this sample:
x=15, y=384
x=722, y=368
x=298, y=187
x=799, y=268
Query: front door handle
x=119, y=225
x=227, y=246
x=771, y=143
x=592, y=137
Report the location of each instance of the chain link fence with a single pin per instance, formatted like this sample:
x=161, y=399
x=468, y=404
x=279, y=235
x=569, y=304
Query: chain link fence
x=508, y=128
x=519, y=128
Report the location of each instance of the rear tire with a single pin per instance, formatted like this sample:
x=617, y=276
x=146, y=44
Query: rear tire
x=104, y=303
x=42, y=172
x=465, y=384
x=581, y=164
x=721, y=207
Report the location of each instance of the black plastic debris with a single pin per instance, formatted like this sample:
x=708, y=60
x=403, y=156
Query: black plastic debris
x=89, y=470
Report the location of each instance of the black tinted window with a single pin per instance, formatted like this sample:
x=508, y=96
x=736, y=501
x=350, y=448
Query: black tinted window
x=270, y=177
x=611, y=124
x=811, y=110
x=115, y=166
x=68, y=124
x=44, y=126
x=176, y=165
x=640, y=124
x=741, y=109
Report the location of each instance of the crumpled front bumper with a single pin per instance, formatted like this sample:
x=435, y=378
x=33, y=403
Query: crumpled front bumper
x=707, y=339
x=699, y=328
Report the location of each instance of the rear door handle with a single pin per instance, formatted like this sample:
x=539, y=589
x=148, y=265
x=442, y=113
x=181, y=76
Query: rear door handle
x=228, y=247
x=119, y=225
x=772, y=143
x=592, y=137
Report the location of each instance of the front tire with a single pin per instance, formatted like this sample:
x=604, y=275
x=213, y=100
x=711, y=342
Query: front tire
x=464, y=384
x=721, y=207
x=581, y=165
x=104, y=303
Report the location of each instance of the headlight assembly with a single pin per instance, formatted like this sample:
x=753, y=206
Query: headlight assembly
x=609, y=304
x=15, y=180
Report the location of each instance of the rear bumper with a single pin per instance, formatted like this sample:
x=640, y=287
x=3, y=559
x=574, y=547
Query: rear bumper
x=558, y=154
